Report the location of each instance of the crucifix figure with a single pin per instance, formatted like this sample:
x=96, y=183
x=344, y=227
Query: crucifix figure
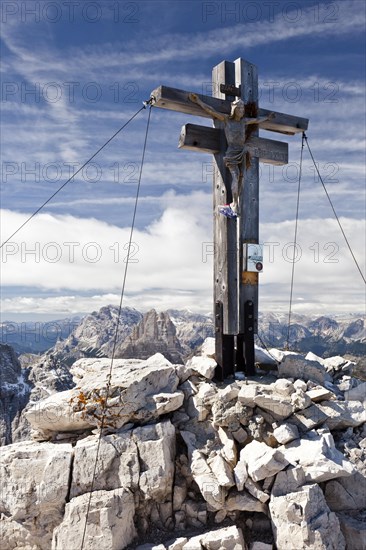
x=236, y=130
x=233, y=141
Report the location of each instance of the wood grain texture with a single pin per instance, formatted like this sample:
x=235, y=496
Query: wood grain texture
x=204, y=139
x=174, y=99
x=225, y=231
x=248, y=229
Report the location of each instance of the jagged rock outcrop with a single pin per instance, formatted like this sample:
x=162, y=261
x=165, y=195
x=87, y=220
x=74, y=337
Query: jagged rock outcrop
x=34, y=488
x=140, y=391
x=95, y=335
x=155, y=333
x=192, y=329
x=45, y=376
x=302, y=519
x=15, y=389
x=185, y=462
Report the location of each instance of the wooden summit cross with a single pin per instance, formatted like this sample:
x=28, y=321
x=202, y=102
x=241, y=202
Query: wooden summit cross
x=235, y=271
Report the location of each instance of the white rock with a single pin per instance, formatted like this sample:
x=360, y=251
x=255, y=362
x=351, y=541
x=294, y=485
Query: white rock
x=295, y=366
x=357, y=394
x=354, y=531
x=240, y=474
x=247, y=394
x=15, y=535
x=118, y=463
x=133, y=387
x=228, y=450
x=300, y=400
x=221, y=471
x=34, y=487
x=244, y=502
x=167, y=402
x=207, y=391
x=178, y=544
x=317, y=455
x=319, y=394
x=196, y=408
x=334, y=363
x=193, y=543
x=261, y=460
x=283, y=387
x=205, y=366
x=342, y=415
x=310, y=356
x=228, y=393
x=279, y=354
x=309, y=418
x=210, y=488
x=57, y=414
x=199, y=405
x=302, y=520
x=208, y=348
x=263, y=357
x=156, y=449
x=255, y=490
x=300, y=385
x=179, y=496
x=183, y=373
x=346, y=493
x=227, y=538
x=110, y=524
x=288, y=481
x=279, y=407
x=286, y=432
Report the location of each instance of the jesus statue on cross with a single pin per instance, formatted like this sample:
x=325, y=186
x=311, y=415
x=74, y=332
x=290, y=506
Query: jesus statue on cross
x=235, y=126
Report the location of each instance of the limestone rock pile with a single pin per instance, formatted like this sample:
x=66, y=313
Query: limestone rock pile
x=185, y=463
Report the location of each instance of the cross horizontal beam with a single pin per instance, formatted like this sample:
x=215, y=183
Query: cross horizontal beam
x=204, y=139
x=178, y=100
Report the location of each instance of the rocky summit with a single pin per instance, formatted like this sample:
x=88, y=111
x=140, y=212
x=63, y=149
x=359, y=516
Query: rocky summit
x=157, y=455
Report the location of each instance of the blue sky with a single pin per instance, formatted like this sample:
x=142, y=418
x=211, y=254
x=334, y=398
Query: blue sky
x=74, y=72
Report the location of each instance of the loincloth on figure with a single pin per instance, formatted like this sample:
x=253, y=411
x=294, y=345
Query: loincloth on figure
x=237, y=157
x=234, y=157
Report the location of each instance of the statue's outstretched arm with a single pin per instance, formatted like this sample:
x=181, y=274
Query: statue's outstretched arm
x=212, y=112
x=259, y=120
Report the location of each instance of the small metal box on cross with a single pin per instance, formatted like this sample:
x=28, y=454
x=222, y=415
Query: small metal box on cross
x=235, y=285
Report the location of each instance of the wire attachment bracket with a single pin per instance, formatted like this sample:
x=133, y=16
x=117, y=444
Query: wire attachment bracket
x=149, y=102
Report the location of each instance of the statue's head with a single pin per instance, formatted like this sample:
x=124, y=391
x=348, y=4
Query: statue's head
x=237, y=106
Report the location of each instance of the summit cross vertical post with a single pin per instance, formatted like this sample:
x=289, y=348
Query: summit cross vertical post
x=235, y=289
x=235, y=278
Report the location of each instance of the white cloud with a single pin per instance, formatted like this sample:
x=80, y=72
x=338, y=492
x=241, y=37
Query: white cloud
x=169, y=270
x=59, y=252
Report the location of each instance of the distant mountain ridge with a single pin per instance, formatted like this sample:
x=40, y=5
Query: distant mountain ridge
x=93, y=335
x=36, y=337
x=325, y=336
